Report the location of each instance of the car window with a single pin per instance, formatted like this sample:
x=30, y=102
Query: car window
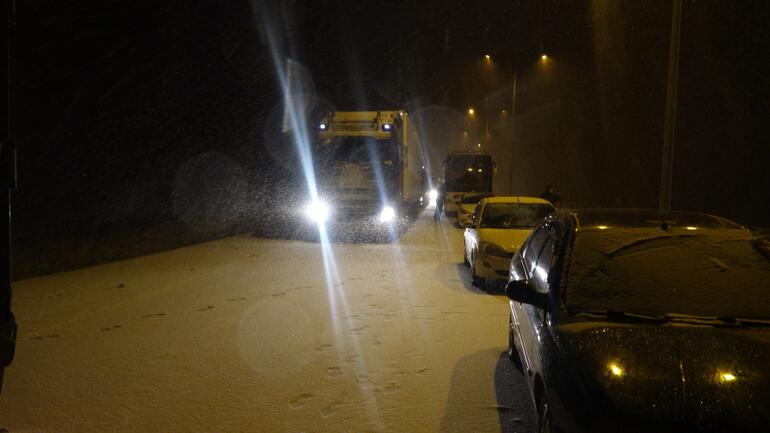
x=534, y=246
x=713, y=273
x=543, y=267
x=476, y=212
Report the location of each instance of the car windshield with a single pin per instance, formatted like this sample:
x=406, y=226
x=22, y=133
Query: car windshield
x=263, y=215
x=513, y=215
x=704, y=272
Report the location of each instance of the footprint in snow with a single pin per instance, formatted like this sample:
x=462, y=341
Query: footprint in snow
x=300, y=401
x=147, y=316
x=330, y=409
x=333, y=371
x=392, y=387
x=40, y=337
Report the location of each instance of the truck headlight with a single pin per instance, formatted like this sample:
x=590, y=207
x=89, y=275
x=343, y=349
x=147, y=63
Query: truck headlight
x=491, y=249
x=433, y=195
x=387, y=214
x=317, y=211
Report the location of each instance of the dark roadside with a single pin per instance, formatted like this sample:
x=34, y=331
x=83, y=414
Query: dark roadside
x=44, y=248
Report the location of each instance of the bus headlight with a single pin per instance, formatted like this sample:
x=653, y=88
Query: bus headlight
x=387, y=214
x=317, y=211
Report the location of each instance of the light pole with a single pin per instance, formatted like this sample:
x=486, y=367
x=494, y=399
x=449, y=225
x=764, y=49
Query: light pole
x=543, y=59
x=669, y=128
x=513, y=123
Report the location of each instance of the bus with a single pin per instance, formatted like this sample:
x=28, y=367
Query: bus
x=466, y=172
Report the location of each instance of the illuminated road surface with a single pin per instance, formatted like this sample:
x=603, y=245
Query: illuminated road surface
x=254, y=335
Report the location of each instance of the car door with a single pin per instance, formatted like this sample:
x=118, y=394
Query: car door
x=540, y=281
x=529, y=255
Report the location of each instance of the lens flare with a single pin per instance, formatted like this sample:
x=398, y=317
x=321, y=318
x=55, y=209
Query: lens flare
x=387, y=215
x=317, y=211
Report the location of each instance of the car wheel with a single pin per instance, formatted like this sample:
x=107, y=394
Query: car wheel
x=513, y=355
x=465, y=256
x=475, y=279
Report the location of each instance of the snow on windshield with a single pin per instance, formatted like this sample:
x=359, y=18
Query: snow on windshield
x=716, y=273
x=514, y=215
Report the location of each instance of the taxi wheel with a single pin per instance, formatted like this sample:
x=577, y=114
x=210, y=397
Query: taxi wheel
x=475, y=279
x=465, y=256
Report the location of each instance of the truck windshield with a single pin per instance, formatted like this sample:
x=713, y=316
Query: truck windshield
x=360, y=150
x=469, y=173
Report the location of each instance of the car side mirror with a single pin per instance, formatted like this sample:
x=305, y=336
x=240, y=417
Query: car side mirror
x=521, y=291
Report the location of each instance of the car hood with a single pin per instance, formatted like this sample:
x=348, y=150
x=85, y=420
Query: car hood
x=712, y=378
x=509, y=239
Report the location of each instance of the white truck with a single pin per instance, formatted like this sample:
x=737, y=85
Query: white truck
x=368, y=167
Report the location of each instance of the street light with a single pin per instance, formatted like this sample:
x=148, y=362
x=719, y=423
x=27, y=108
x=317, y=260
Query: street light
x=471, y=111
x=544, y=57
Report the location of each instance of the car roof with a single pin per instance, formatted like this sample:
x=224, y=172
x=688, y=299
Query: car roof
x=516, y=199
x=609, y=217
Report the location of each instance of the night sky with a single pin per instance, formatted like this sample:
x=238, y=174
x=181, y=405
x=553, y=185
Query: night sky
x=131, y=116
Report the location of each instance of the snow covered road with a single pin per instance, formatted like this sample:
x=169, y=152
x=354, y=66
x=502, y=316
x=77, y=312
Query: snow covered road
x=256, y=335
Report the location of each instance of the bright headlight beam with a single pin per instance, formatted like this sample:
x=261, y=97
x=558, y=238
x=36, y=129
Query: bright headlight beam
x=317, y=211
x=387, y=214
x=433, y=195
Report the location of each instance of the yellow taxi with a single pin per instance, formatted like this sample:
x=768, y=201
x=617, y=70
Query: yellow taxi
x=496, y=230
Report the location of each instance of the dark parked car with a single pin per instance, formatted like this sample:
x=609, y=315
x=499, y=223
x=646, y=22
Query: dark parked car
x=640, y=321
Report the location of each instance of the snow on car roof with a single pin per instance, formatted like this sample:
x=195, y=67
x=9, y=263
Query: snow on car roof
x=649, y=218
x=515, y=199
x=648, y=270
